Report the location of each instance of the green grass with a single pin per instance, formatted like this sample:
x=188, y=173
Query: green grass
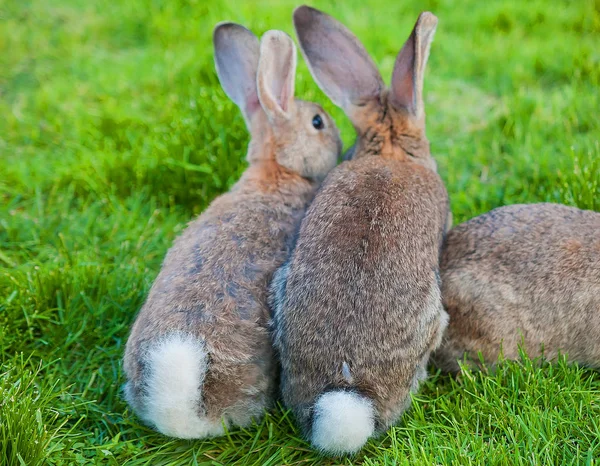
x=114, y=133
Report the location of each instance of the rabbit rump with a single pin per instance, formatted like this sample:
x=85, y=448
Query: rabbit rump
x=357, y=307
x=199, y=356
x=522, y=273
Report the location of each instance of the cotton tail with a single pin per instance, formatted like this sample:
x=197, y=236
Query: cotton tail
x=343, y=422
x=176, y=368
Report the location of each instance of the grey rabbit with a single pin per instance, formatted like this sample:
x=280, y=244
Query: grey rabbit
x=526, y=273
x=199, y=357
x=357, y=307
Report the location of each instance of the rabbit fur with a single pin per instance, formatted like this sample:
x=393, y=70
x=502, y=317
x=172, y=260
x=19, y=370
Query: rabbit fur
x=199, y=357
x=357, y=307
x=528, y=274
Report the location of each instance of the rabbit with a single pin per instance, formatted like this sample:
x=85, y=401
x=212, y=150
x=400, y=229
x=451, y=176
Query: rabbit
x=526, y=273
x=199, y=357
x=357, y=307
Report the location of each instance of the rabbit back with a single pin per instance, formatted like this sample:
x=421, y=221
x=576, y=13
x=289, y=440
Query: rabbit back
x=375, y=221
x=523, y=273
x=212, y=291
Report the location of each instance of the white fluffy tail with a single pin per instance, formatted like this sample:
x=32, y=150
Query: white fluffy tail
x=177, y=366
x=343, y=422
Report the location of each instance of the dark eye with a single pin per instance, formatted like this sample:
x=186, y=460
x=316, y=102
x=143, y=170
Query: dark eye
x=317, y=122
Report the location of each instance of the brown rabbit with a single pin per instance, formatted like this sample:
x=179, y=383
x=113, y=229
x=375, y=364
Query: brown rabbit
x=199, y=356
x=357, y=308
x=522, y=273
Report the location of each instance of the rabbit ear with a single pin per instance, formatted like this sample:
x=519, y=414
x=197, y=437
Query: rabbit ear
x=236, y=60
x=409, y=70
x=276, y=74
x=337, y=60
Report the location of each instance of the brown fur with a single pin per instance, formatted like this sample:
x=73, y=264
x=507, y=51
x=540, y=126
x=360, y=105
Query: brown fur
x=213, y=282
x=528, y=272
x=361, y=286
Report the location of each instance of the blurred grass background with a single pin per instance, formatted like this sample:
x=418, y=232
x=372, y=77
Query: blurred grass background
x=114, y=133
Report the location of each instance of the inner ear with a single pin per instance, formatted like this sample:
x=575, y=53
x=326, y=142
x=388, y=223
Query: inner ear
x=409, y=70
x=284, y=78
x=276, y=74
x=403, y=79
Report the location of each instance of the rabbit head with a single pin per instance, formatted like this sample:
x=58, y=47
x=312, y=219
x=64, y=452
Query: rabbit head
x=389, y=122
x=296, y=135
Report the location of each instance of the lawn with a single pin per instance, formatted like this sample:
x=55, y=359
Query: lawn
x=114, y=133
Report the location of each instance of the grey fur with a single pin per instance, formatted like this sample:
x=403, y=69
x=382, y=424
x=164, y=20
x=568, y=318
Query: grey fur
x=522, y=271
x=214, y=280
x=357, y=307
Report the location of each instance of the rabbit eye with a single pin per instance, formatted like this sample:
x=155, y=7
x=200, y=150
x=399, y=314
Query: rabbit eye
x=317, y=122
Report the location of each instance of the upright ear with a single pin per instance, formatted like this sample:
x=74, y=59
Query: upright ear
x=409, y=70
x=337, y=60
x=236, y=60
x=276, y=74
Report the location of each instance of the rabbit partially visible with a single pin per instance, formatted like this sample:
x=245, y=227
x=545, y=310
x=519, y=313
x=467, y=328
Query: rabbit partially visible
x=357, y=308
x=522, y=273
x=199, y=356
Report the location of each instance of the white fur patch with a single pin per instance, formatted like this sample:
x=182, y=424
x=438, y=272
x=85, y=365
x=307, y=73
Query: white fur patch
x=343, y=422
x=177, y=366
